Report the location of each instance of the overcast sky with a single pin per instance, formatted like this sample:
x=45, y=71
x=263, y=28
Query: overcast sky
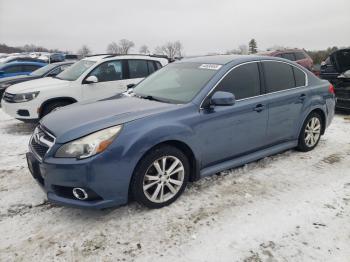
x=202, y=26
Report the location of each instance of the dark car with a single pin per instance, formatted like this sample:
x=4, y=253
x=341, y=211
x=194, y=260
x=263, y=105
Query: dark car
x=48, y=70
x=336, y=69
x=297, y=55
x=19, y=68
x=188, y=120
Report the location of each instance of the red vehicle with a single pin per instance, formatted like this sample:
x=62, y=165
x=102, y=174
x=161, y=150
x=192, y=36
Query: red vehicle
x=297, y=55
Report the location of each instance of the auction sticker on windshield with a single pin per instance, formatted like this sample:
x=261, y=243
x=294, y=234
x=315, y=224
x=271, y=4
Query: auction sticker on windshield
x=210, y=66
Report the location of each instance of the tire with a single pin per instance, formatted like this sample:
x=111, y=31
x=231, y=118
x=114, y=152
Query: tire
x=52, y=106
x=149, y=179
x=310, y=133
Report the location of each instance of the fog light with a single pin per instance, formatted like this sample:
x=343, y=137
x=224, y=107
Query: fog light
x=80, y=193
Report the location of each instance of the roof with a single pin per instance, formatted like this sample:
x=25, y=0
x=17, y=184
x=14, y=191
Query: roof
x=24, y=63
x=100, y=57
x=222, y=59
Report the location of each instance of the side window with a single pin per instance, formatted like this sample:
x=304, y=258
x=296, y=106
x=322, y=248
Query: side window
x=300, y=79
x=243, y=81
x=55, y=72
x=29, y=68
x=151, y=67
x=158, y=65
x=13, y=69
x=137, y=68
x=278, y=76
x=289, y=56
x=299, y=55
x=108, y=71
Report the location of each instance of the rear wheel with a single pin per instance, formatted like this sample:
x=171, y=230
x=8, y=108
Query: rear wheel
x=48, y=108
x=160, y=177
x=310, y=133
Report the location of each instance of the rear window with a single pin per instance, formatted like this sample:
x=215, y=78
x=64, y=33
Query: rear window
x=300, y=55
x=137, y=68
x=289, y=56
x=278, y=76
x=299, y=76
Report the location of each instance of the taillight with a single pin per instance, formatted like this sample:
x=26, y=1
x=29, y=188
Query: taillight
x=331, y=89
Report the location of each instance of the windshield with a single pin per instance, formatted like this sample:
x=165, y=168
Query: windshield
x=73, y=72
x=43, y=70
x=175, y=83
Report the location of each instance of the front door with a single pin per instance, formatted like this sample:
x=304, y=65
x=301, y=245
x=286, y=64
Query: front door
x=226, y=132
x=110, y=81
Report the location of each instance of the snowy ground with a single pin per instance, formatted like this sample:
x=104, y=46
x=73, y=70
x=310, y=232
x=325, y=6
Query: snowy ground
x=290, y=207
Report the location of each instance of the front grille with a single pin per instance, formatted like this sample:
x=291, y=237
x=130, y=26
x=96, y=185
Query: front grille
x=39, y=149
x=9, y=97
x=41, y=141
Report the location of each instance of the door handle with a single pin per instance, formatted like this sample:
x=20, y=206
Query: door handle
x=259, y=108
x=302, y=97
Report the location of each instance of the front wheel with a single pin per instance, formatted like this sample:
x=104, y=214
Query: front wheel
x=310, y=133
x=160, y=177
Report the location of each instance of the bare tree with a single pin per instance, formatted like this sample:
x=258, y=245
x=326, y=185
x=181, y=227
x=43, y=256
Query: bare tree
x=144, y=49
x=84, y=51
x=170, y=49
x=125, y=45
x=243, y=49
x=113, y=48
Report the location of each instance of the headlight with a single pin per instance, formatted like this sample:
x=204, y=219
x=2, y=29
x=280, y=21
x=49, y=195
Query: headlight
x=5, y=85
x=89, y=145
x=18, y=98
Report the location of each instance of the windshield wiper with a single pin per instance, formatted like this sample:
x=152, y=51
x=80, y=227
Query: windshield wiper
x=148, y=97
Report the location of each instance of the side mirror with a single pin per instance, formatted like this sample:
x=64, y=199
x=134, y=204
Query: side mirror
x=221, y=98
x=129, y=86
x=91, y=80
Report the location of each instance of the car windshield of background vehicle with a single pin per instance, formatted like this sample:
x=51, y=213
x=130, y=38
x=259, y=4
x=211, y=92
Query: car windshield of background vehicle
x=43, y=70
x=72, y=73
x=176, y=83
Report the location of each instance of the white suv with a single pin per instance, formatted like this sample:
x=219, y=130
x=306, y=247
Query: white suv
x=90, y=79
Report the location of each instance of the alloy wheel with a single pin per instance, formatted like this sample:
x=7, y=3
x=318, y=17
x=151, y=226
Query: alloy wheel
x=163, y=179
x=312, y=131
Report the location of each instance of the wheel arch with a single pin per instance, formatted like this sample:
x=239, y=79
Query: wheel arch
x=56, y=99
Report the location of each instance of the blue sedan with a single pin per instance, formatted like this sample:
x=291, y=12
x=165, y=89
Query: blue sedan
x=191, y=119
x=19, y=68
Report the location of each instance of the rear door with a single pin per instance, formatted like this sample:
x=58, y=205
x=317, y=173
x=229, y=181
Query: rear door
x=286, y=93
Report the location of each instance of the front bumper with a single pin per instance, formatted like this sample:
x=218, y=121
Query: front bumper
x=22, y=111
x=107, y=181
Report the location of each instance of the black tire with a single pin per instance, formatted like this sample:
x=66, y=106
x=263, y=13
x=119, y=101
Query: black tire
x=137, y=182
x=48, y=108
x=302, y=144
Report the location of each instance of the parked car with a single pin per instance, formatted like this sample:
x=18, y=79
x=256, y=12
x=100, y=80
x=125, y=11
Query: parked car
x=297, y=55
x=70, y=57
x=191, y=119
x=336, y=69
x=19, y=68
x=45, y=71
x=92, y=78
x=19, y=58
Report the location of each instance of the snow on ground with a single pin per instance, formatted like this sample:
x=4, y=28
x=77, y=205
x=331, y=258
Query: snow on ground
x=290, y=207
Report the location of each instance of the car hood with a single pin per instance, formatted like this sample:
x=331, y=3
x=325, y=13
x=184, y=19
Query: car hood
x=37, y=85
x=341, y=60
x=81, y=119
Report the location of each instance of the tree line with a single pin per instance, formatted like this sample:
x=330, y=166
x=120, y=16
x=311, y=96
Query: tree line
x=171, y=49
